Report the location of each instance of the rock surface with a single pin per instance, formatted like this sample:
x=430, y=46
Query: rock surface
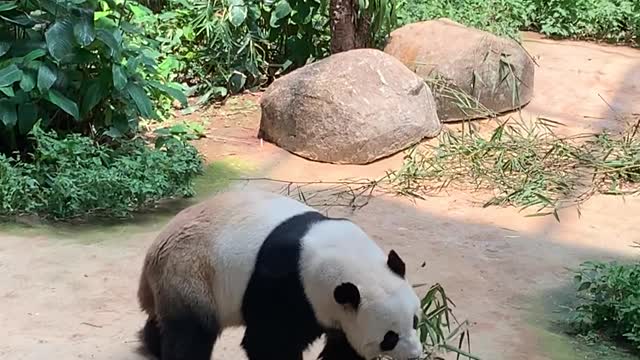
x=465, y=66
x=353, y=107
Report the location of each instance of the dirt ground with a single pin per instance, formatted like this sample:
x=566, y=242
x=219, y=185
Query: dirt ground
x=68, y=292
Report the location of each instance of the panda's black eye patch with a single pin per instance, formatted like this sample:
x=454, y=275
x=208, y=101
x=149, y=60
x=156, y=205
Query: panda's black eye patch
x=415, y=322
x=389, y=342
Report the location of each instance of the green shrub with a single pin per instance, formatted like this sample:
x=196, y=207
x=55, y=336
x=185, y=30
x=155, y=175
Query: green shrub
x=501, y=17
x=73, y=176
x=223, y=46
x=609, y=296
x=79, y=66
x=229, y=45
x=611, y=20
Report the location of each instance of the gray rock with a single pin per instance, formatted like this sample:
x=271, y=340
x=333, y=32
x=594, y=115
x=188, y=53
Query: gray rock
x=472, y=73
x=353, y=107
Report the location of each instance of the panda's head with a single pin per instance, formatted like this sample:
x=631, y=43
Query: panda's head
x=381, y=320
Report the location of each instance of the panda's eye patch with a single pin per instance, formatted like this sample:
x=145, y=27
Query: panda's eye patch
x=415, y=322
x=389, y=342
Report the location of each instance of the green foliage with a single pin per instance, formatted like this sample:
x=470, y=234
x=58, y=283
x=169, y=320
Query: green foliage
x=231, y=45
x=73, y=176
x=611, y=20
x=501, y=17
x=79, y=66
x=609, y=295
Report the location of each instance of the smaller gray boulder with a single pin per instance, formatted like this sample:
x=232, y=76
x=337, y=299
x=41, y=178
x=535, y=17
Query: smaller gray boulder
x=353, y=107
x=472, y=73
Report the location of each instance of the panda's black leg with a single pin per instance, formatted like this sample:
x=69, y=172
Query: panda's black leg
x=337, y=347
x=265, y=345
x=187, y=338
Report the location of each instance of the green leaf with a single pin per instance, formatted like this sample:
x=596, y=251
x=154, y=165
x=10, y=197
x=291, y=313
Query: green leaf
x=59, y=38
x=7, y=5
x=282, y=10
x=28, y=81
x=46, y=77
x=9, y=75
x=237, y=13
x=111, y=40
x=83, y=29
x=8, y=114
x=64, y=103
x=94, y=94
x=33, y=55
x=139, y=96
x=171, y=91
x=7, y=91
x=5, y=46
x=119, y=77
x=27, y=117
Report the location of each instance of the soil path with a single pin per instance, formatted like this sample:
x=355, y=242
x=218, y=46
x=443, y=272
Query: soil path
x=69, y=292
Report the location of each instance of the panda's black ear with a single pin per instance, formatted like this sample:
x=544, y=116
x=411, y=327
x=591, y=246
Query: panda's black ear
x=396, y=264
x=347, y=294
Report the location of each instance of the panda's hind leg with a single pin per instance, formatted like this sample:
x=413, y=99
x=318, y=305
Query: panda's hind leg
x=188, y=337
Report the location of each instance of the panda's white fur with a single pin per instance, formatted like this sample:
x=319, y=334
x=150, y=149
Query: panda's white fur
x=204, y=260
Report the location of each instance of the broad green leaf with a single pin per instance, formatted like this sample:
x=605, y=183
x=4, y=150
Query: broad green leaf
x=171, y=91
x=237, y=13
x=21, y=20
x=119, y=77
x=33, y=55
x=95, y=92
x=4, y=47
x=46, y=77
x=9, y=75
x=64, y=103
x=139, y=96
x=7, y=5
x=111, y=40
x=27, y=117
x=28, y=81
x=59, y=38
x=8, y=114
x=8, y=90
x=282, y=10
x=83, y=29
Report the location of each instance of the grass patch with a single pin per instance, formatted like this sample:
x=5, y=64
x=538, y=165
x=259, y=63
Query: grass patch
x=73, y=176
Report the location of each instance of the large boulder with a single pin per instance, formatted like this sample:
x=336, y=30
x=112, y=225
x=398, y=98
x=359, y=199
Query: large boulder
x=472, y=73
x=353, y=107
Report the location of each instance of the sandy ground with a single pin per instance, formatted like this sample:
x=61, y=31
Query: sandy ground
x=69, y=292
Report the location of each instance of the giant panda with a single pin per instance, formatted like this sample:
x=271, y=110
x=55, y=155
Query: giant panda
x=285, y=272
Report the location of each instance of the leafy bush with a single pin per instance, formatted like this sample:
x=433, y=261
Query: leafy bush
x=73, y=176
x=235, y=44
x=501, y=17
x=611, y=20
x=78, y=66
x=609, y=300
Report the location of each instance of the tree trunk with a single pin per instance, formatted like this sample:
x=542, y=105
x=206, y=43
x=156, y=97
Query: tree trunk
x=363, y=29
x=347, y=30
x=343, y=26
